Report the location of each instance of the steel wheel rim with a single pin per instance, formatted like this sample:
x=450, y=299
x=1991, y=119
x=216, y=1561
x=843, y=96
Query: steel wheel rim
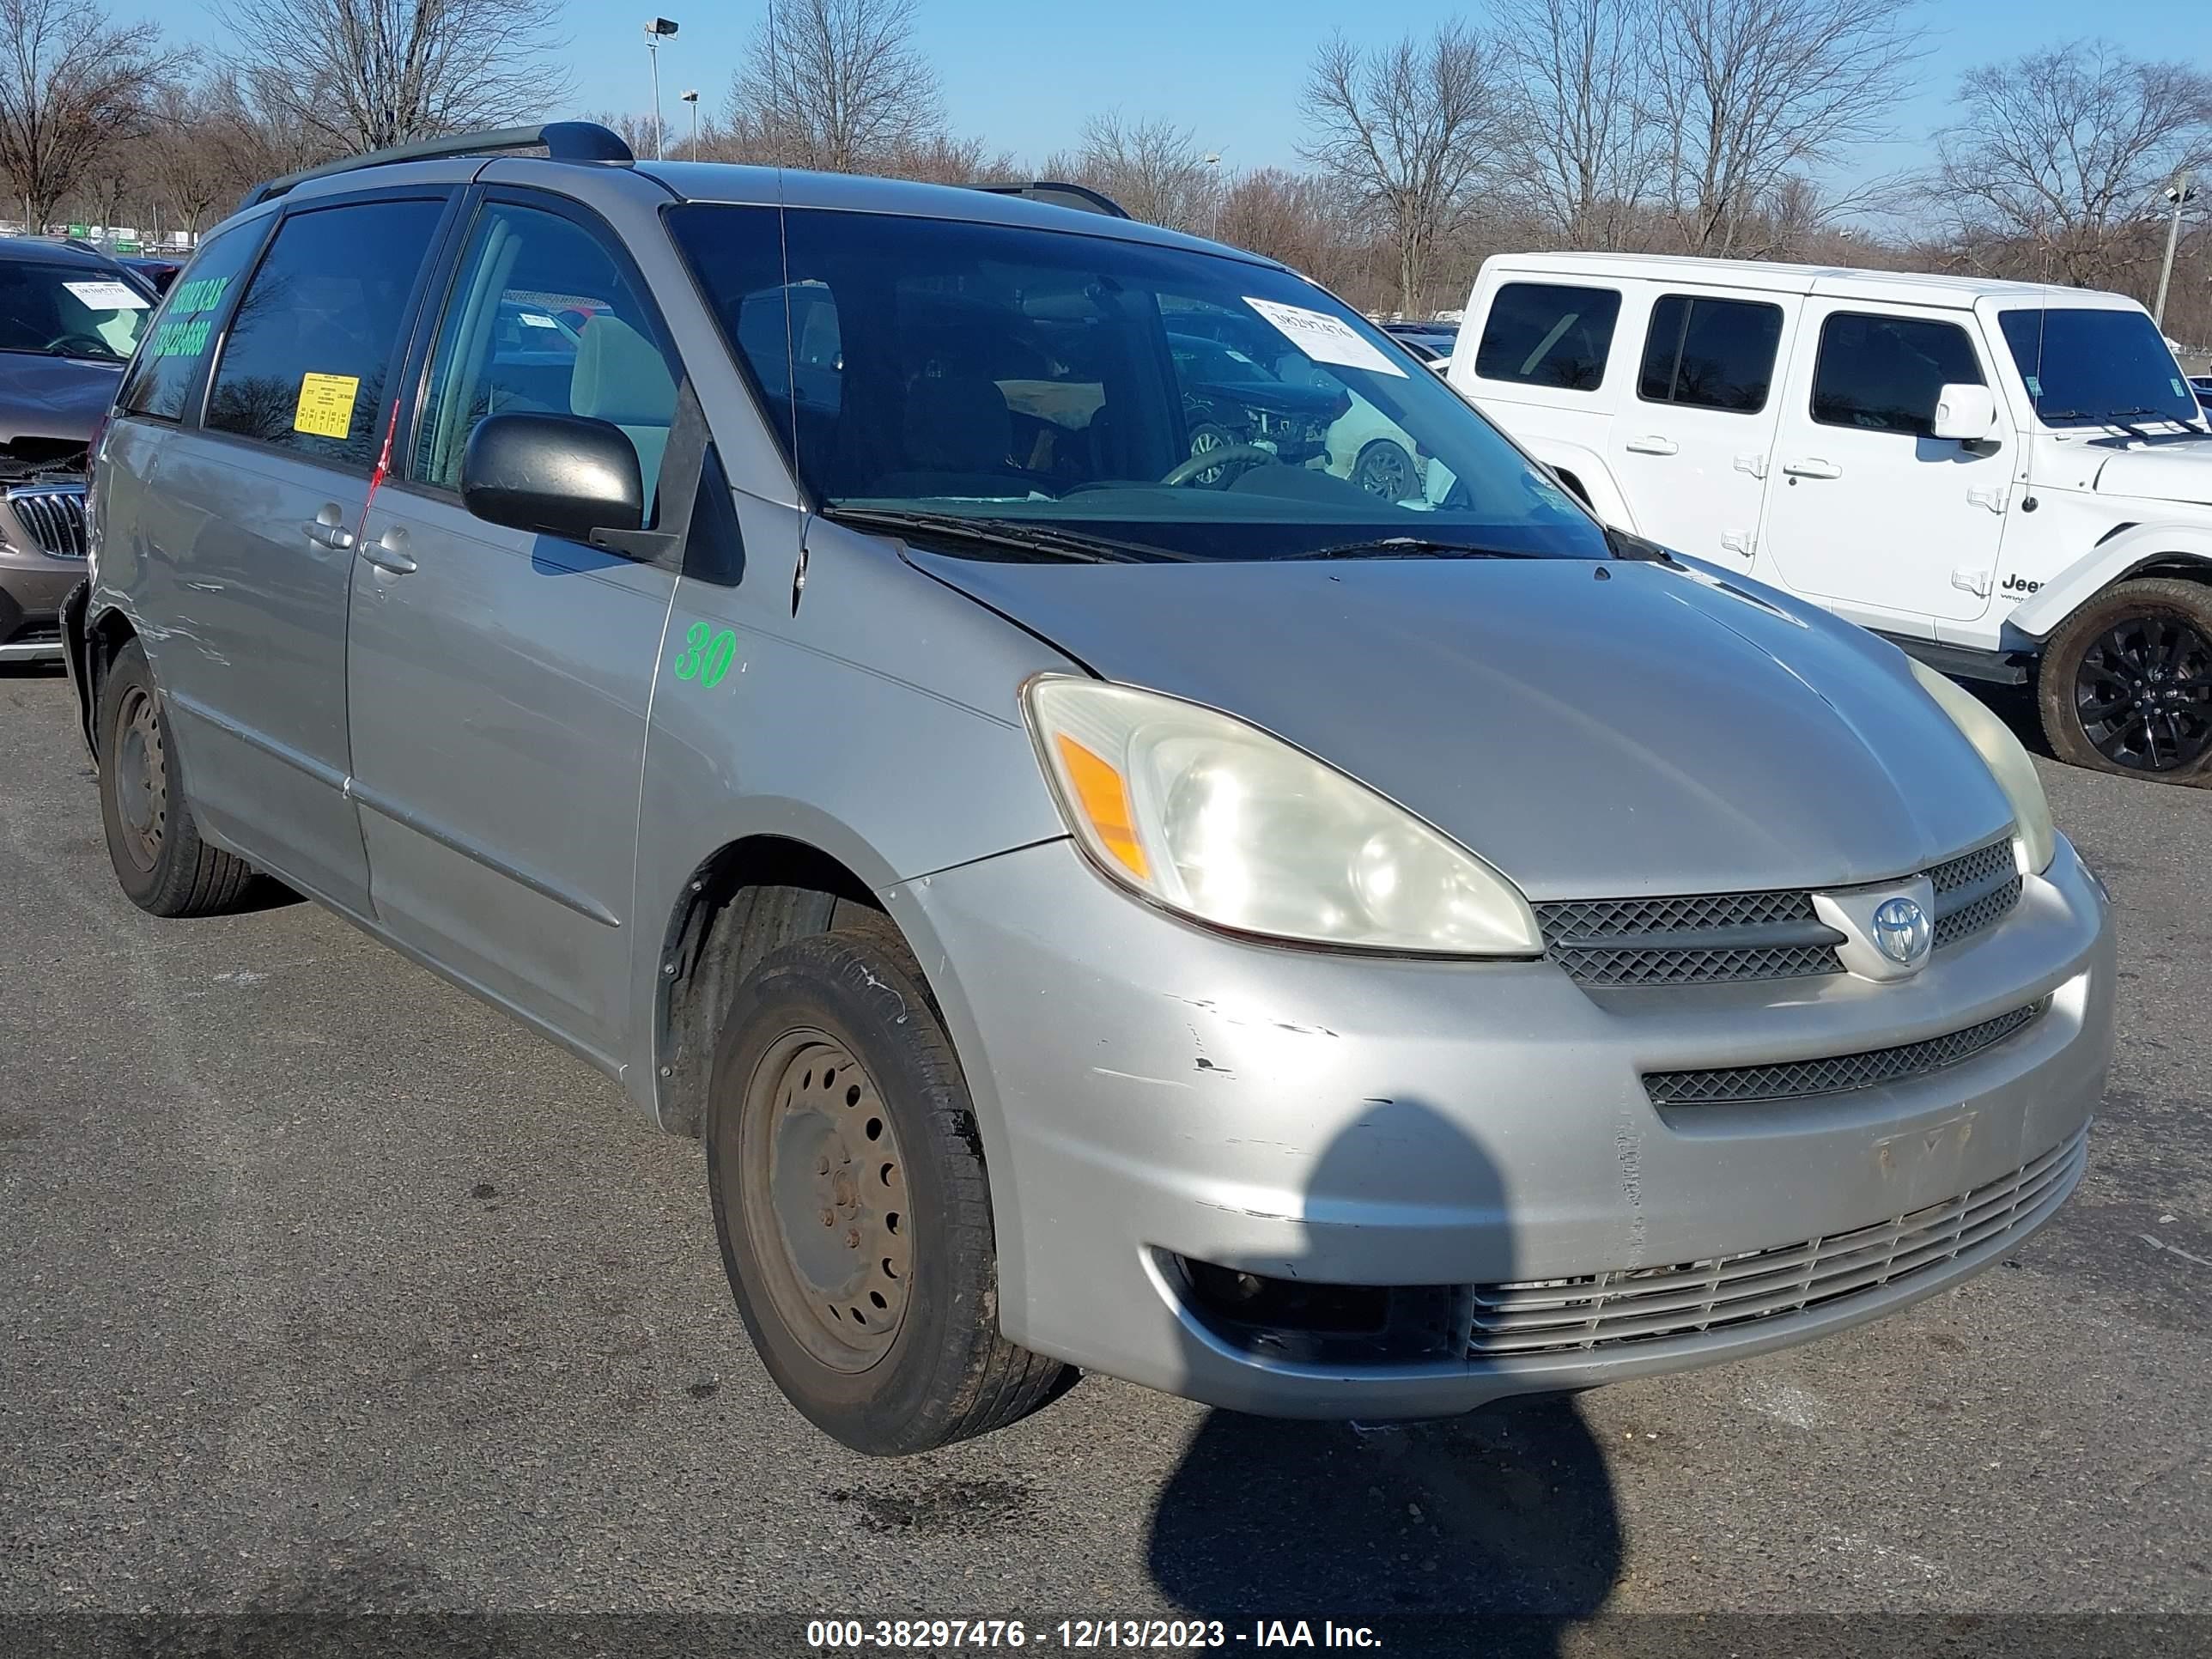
x=825, y=1201
x=2143, y=693
x=1386, y=471
x=141, y=778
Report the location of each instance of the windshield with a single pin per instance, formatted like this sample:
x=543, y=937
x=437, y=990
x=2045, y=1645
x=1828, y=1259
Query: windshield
x=69, y=311
x=1197, y=404
x=2091, y=368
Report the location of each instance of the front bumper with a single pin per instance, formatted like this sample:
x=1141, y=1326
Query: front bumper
x=1150, y=1090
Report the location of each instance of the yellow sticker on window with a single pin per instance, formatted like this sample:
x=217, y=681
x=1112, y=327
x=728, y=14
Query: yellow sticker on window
x=325, y=407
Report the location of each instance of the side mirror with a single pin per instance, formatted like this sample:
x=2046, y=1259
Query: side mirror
x=559, y=475
x=1965, y=413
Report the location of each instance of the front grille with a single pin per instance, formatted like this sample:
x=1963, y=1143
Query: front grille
x=1646, y=1304
x=1797, y=1078
x=1676, y=941
x=1974, y=891
x=52, y=515
x=1706, y=937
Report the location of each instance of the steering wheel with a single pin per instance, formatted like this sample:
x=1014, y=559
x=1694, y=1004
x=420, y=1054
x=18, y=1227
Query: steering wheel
x=1225, y=455
x=60, y=344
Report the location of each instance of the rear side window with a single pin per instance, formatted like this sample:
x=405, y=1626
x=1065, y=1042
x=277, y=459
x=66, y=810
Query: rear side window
x=314, y=338
x=1710, y=354
x=1882, y=374
x=542, y=320
x=184, y=333
x=1548, y=334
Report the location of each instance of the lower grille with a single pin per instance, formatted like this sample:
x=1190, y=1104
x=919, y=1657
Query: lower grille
x=1832, y=1073
x=1645, y=1304
x=52, y=515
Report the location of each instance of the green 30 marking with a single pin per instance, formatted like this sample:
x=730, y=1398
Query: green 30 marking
x=707, y=655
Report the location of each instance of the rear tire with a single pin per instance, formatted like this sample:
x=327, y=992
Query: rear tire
x=2125, y=682
x=852, y=1207
x=160, y=859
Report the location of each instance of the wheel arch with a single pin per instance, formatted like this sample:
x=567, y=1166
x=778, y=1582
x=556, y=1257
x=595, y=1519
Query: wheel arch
x=92, y=651
x=2183, y=551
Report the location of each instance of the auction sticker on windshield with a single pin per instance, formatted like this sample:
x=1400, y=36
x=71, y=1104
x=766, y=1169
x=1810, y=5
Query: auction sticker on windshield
x=1323, y=337
x=107, y=295
x=325, y=406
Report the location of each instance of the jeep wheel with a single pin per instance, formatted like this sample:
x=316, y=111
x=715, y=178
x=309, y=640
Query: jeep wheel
x=1385, y=469
x=2126, y=682
x=852, y=1207
x=159, y=857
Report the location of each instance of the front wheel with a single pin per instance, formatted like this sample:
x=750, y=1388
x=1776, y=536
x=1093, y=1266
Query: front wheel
x=852, y=1207
x=160, y=859
x=2126, y=682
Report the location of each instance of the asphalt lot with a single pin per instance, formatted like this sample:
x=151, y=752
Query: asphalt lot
x=326, y=1289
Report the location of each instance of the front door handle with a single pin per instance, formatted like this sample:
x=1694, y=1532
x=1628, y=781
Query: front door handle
x=1652, y=446
x=326, y=531
x=1812, y=467
x=389, y=551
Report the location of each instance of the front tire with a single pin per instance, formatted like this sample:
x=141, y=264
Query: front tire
x=160, y=860
x=852, y=1207
x=2125, y=684
x=1385, y=469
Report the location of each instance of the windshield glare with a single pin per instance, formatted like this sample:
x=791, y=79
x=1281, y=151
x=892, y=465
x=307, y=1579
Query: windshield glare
x=2092, y=367
x=1165, y=398
x=69, y=311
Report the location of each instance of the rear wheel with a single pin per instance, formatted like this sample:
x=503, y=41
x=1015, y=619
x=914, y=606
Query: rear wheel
x=2126, y=682
x=852, y=1207
x=159, y=857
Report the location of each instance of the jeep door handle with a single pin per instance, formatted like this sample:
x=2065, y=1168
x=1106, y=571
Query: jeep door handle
x=1811, y=467
x=1652, y=446
x=389, y=552
x=323, y=533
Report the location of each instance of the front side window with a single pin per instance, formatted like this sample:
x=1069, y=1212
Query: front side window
x=1884, y=373
x=1548, y=334
x=1710, y=354
x=314, y=340
x=183, y=331
x=2085, y=367
x=59, y=308
x=542, y=320
x=1199, y=403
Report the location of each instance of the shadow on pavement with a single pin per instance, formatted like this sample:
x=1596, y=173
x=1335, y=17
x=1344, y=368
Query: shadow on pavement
x=1485, y=1532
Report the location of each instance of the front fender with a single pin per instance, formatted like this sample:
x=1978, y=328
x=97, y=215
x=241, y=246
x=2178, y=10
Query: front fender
x=2111, y=560
x=1605, y=497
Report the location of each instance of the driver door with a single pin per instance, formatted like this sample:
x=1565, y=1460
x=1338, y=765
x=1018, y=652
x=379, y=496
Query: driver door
x=499, y=681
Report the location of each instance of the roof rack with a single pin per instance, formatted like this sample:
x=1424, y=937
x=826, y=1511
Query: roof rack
x=1081, y=197
x=564, y=141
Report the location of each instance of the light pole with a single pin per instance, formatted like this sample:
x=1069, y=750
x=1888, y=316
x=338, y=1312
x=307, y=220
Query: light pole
x=655, y=32
x=2180, y=192
x=692, y=98
x=1213, y=191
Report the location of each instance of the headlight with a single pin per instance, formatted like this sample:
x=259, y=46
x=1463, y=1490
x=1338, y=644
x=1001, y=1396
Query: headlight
x=1212, y=817
x=2007, y=761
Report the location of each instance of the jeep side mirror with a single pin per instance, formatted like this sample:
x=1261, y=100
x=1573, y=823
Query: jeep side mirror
x=558, y=475
x=1965, y=413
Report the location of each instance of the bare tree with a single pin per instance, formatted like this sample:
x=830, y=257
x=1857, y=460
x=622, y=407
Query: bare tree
x=1411, y=131
x=2063, y=151
x=72, y=85
x=1749, y=92
x=368, y=74
x=1580, y=79
x=1152, y=168
x=835, y=84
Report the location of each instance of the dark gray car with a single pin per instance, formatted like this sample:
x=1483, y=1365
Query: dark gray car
x=70, y=320
x=1185, y=915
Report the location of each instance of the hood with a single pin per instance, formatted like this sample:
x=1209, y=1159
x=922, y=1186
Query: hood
x=2176, y=471
x=1658, y=731
x=53, y=396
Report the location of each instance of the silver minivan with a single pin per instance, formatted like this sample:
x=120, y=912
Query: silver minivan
x=1109, y=892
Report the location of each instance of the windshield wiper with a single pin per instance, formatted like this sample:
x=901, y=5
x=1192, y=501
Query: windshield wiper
x=1055, y=542
x=1409, y=547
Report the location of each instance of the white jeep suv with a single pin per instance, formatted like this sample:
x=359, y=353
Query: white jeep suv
x=2012, y=481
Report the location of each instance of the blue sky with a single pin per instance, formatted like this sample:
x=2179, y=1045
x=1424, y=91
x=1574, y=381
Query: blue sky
x=1024, y=75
